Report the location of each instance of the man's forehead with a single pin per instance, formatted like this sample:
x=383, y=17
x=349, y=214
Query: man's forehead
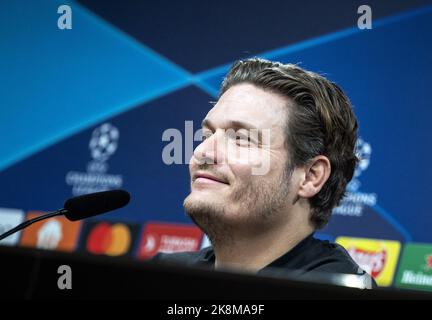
x=228, y=123
x=248, y=106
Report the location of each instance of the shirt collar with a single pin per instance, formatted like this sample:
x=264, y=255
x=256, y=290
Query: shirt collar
x=209, y=256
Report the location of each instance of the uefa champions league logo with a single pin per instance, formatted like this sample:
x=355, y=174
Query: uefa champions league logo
x=363, y=151
x=104, y=142
x=355, y=200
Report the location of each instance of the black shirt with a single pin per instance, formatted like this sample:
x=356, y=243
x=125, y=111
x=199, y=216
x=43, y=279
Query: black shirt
x=309, y=256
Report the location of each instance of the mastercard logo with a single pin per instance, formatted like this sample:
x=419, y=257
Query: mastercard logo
x=112, y=240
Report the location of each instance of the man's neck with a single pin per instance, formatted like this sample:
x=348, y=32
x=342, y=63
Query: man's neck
x=251, y=251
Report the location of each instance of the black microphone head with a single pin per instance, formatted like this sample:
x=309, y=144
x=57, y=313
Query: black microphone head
x=95, y=203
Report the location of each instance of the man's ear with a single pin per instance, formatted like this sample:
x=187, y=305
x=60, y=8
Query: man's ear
x=316, y=173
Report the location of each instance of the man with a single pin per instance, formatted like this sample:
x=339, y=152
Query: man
x=305, y=138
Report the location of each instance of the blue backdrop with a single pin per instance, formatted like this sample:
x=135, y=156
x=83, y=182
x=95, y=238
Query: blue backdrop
x=127, y=71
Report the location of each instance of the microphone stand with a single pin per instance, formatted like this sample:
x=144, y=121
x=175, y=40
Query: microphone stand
x=31, y=221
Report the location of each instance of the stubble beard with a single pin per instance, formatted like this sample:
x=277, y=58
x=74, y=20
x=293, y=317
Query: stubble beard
x=252, y=208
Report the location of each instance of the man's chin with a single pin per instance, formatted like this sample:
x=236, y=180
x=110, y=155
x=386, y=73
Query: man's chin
x=198, y=200
x=208, y=214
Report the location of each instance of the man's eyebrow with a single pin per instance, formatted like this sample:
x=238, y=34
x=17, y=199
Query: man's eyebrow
x=231, y=124
x=235, y=124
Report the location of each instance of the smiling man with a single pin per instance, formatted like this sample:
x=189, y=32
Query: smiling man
x=305, y=136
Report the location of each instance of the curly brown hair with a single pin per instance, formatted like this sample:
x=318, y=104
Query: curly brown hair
x=321, y=122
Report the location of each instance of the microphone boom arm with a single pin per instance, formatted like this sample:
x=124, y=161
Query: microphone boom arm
x=31, y=221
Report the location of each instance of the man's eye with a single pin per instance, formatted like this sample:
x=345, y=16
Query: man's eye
x=243, y=140
x=206, y=135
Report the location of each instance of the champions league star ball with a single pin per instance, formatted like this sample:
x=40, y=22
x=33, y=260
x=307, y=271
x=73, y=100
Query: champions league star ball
x=104, y=142
x=363, y=152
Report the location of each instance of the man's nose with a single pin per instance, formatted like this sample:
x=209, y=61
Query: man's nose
x=211, y=150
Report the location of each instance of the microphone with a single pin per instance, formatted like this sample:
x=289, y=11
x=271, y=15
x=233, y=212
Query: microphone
x=82, y=207
x=93, y=204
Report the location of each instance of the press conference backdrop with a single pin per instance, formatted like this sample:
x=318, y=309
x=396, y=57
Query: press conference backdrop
x=88, y=109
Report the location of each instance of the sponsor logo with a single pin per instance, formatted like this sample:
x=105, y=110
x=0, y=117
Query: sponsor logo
x=371, y=261
x=168, y=238
x=56, y=233
x=429, y=262
x=103, y=144
x=111, y=239
x=417, y=279
x=415, y=271
x=10, y=218
x=377, y=257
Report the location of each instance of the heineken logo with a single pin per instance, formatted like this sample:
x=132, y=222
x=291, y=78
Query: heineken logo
x=415, y=271
x=429, y=261
x=416, y=278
